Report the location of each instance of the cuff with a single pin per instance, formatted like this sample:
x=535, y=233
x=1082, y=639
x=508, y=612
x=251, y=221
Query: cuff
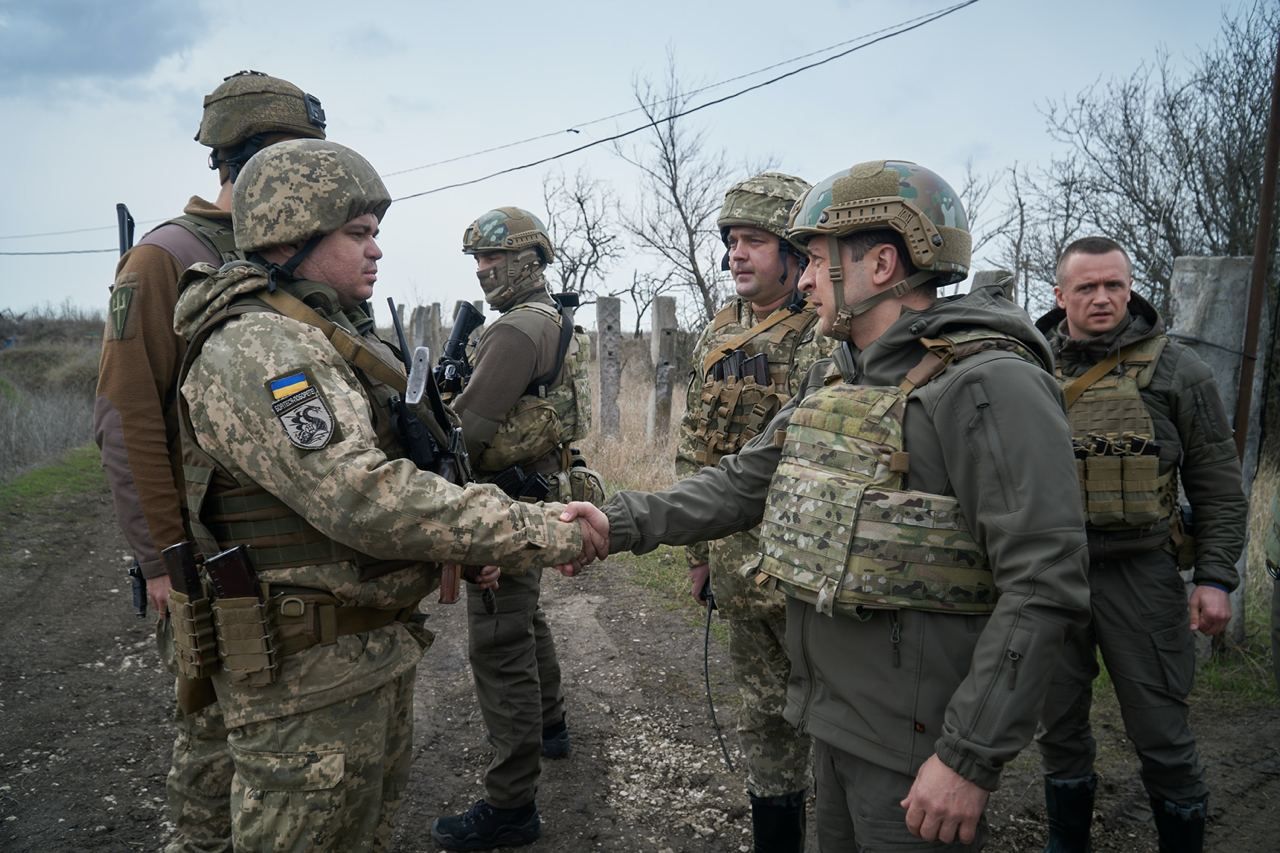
x=967, y=765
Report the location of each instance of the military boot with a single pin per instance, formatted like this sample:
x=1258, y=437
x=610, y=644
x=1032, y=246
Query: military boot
x=777, y=823
x=1069, y=807
x=484, y=827
x=1180, y=826
x=555, y=740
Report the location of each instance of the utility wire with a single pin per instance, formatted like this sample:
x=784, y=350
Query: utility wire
x=863, y=41
x=919, y=22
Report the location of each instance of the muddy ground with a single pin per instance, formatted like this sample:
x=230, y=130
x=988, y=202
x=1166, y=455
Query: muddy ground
x=84, y=740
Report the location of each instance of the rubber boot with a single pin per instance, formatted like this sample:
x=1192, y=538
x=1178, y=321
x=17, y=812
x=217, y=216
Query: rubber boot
x=1180, y=826
x=777, y=823
x=1068, y=803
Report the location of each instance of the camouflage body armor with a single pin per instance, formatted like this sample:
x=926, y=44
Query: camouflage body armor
x=731, y=410
x=839, y=529
x=1117, y=459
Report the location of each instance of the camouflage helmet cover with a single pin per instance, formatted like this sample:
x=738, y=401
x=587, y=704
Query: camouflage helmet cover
x=763, y=201
x=249, y=102
x=303, y=188
x=896, y=195
x=507, y=229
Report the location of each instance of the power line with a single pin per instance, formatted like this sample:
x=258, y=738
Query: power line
x=918, y=22
x=577, y=126
x=863, y=41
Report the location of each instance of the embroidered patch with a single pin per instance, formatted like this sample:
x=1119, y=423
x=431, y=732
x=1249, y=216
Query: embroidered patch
x=301, y=410
x=118, y=311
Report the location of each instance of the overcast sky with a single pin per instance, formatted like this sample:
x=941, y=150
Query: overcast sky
x=99, y=101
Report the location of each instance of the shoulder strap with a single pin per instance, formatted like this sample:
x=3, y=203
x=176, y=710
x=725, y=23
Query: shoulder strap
x=726, y=315
x=781, y=315
x=1081, y=383
x=539, y=385
x=216, y=235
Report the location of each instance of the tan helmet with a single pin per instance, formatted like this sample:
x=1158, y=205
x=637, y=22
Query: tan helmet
x=890, y=195
x=523, y=238
x=249, y=103
x=300, y=190
x=763, y=201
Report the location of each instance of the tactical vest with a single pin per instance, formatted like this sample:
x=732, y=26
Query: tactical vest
x=222, y=511
x=216, y=236
x=733, y=410
x=1117, y=460
x=839, y=529
x=554, y=410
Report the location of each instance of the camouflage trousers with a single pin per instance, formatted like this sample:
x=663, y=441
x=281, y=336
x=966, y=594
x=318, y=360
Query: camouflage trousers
x=858, y=807
x=199, y=782
x=777, y=755
x=328, y=779
x=517, y=677
x=1140, y=624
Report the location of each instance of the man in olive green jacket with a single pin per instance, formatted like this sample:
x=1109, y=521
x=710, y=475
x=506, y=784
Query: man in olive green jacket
x=917, y=686
x=1145, y=414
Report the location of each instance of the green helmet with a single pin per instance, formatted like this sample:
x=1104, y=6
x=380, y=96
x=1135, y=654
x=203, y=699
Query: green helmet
x=764, y=201
x=892, y=195
x=249, y=103
x=300, y=189
x=523, y=238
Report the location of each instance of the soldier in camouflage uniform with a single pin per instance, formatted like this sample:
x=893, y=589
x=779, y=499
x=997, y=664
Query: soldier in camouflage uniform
x=930, y=577
x=136, y=417
x=526, y=400
x=1145, y=414
x=769, y=317
x=291, y=448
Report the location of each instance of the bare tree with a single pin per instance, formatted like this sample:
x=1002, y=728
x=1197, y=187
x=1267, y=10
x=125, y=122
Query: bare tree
x=645, y=287
x=582, y=220
x=681, y=188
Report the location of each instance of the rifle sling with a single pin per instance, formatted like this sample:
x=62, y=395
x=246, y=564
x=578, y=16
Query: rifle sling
x=737, y=341
x=1081, y=384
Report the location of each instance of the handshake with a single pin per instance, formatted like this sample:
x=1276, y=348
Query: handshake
x=595, y=535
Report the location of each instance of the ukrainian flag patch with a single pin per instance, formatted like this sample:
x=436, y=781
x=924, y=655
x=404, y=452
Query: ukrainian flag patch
x=288, y=385
x=302, y=411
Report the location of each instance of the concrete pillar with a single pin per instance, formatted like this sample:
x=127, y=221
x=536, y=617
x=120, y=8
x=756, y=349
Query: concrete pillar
x=609, y=337
x=1209, y=300
x=662, y=352
x=433, y=340
x=417, y=330
x=400, y=313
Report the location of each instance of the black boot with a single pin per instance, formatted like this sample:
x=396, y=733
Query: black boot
x=777, y=823
x=555, y=740
x=1180, y=826
x=1068, y=804
x=484, y=827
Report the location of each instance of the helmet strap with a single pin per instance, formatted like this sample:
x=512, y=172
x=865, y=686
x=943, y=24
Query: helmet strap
x=897, y=291
x=238, y=156
x=288, y=270
x=842, y=326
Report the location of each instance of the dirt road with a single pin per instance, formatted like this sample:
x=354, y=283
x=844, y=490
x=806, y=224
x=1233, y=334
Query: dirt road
x=84, y=740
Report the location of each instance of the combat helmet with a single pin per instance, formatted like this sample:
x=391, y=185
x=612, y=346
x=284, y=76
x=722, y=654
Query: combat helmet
x=248, y=106
x=298, y=191
x=886, y=195
x=763, y=201
x=523, y=239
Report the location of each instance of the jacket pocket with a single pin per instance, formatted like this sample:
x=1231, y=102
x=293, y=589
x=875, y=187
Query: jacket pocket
x=983, y=434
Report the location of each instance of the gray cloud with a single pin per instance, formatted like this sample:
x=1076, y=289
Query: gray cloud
x=44, y=44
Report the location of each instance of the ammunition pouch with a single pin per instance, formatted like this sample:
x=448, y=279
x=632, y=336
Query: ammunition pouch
x=581, y=483
x=1124, y=490
x=246, y=642
x=732, y=412
x=195, y=642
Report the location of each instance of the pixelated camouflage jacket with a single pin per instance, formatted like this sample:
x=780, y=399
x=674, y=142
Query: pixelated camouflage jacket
x=1191, y=427
x=990, y=431
x=346, y=487
x=736, y=596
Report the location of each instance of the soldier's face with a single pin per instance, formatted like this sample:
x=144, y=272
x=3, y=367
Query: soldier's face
x=761, y=274
x=815, y=282
x=347, y=260
x=486, y=261
x=1094, y=290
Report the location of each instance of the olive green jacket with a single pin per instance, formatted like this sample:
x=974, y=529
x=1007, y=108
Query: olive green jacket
x=1191, y=427
x=902, y=685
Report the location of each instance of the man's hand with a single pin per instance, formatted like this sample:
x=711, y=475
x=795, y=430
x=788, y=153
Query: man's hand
x=697, y=580
x=485, y=577
x=595, y=535
x=942, y=805
x=1210, y=610
x=158, y=589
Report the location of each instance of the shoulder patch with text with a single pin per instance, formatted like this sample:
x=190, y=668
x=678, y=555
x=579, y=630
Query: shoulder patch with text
x=301, y=410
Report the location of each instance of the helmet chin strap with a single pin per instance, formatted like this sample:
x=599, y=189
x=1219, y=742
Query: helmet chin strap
x=842, y=326
x=288, y=270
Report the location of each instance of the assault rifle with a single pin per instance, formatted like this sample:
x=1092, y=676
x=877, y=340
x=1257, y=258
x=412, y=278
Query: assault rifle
x=454, y=369
x=521, y=486
x=124, y=227
x=442, y=451
x=137, y=583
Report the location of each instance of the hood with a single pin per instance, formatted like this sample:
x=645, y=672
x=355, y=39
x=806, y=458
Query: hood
x=1144, y=321
x=204, y=290
x=198, y=206
x=888, y=359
